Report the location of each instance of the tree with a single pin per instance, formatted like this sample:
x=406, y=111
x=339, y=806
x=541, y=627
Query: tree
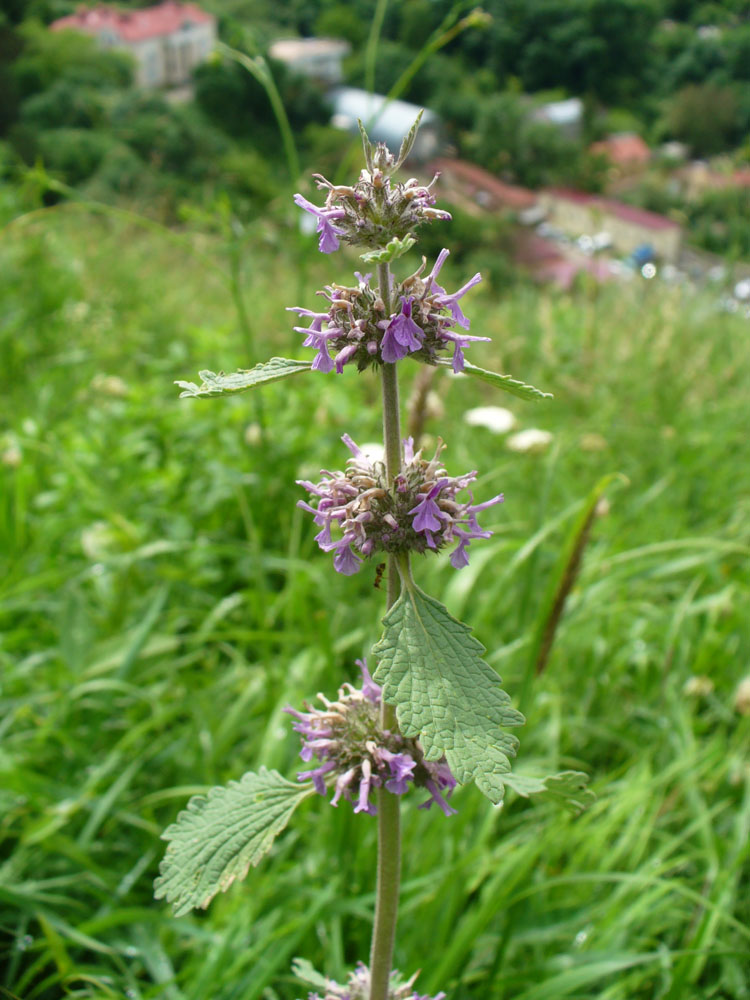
x=705, y=117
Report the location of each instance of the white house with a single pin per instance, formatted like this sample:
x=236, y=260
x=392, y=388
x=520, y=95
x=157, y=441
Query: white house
x=386, y=121
x=318, y=58
x=167, y=41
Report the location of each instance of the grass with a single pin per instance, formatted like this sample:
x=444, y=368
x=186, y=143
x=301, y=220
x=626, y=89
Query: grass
x=163, y=599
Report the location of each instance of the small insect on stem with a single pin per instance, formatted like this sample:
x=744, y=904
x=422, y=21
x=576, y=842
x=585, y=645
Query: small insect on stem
x=379, y=570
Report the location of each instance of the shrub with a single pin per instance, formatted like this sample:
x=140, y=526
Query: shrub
x=73, y=153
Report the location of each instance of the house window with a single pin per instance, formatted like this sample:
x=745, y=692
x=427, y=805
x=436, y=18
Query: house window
x=152, y=68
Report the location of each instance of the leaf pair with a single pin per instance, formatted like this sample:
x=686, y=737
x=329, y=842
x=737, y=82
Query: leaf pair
x=218, y=384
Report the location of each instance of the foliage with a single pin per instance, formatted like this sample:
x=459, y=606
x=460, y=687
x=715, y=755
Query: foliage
x=73, y=153
x=507, y=140
x=431, y=669
x=720, y=221
x=238, y=103
x=156, y=617
x=705, y=117
x=48, y=57
x=216, y=839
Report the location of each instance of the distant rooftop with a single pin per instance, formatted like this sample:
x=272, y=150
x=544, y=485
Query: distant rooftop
x=292, y=49
x=477, y=182
x=561, y=112
x=628, y=213
x=137, y=25
x=623, y=149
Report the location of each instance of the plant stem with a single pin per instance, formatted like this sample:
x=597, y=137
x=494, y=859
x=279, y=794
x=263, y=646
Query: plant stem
x=389, y=819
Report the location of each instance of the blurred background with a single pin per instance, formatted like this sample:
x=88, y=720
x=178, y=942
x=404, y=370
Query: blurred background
x=162, y=598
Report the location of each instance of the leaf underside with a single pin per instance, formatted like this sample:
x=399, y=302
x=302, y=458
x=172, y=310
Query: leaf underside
x=568, y=788
x=431, y=669
x=505, y=382
x=216, y=839
x=218, y=384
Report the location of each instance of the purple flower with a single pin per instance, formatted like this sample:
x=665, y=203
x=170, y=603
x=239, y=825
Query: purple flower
x=356, y=331
x=359, y=512
x=317, y=776
x=358, y=985
x=355, y=755
x=451, y=301
x=402, y=336
x=329, y=233
x=435, y=796
x=370, y=689
x=401, y=766
x=427, y=511
x=345, y=561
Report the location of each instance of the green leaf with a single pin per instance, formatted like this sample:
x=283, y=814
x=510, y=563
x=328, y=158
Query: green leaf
x=567, y=788
x=307, y=973
x=216, y=384
x=431, y=669
x=366, y=145
x=216, y=839
x=394, y=249
x=561, y=583
x=408, y=142
x=506, y=382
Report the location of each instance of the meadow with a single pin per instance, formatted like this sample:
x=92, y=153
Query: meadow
x=162, y=600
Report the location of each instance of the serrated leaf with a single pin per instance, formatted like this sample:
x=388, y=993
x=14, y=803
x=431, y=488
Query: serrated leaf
x=307, y=973
x=408, y=141
x=217, y=383
x=431, y=669
x=566, y=787
x=505, y=382
x=216, y=839
x=394, y=249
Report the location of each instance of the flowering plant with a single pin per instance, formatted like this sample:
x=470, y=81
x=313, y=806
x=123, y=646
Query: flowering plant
x=432, y=715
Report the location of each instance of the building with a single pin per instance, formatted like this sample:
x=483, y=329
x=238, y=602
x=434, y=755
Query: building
x=386, y=121
x=166, y=41
x=487, y=190
x=319, y=59
x=580, y=214
x=566, y=116
x=626, y=152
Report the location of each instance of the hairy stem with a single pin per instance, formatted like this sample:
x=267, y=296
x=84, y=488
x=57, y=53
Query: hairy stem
x=389, y=820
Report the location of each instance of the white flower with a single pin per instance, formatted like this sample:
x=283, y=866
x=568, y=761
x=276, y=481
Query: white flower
x=12, y=456
x=109, y=385
x=495, y=418
x=698, y=686
x=531, y=440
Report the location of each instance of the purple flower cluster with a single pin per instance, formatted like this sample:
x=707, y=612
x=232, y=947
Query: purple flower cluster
x=358, y=988
x=417, y=512
x=372, y=212
x=355, y=756
x=355, y=327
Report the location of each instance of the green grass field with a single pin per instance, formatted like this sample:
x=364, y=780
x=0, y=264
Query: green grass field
x=162, y=599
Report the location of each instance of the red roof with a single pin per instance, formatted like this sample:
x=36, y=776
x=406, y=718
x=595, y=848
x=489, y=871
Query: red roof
x=474, y=179
x=134, y=26
x=624, y=150
x=628, y=213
